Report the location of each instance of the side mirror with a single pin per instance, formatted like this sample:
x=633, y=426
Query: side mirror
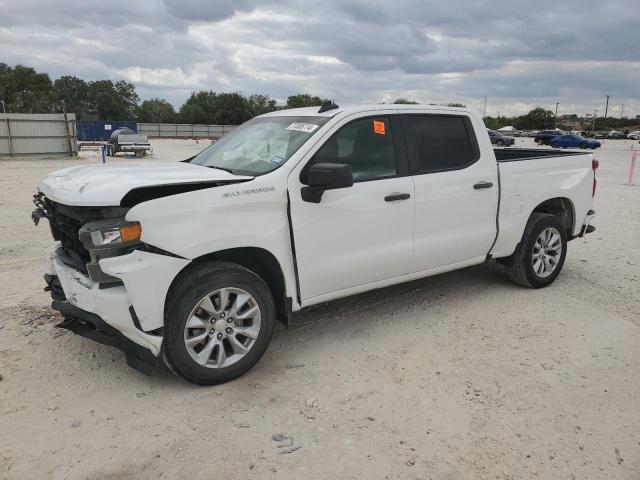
x=326, y=176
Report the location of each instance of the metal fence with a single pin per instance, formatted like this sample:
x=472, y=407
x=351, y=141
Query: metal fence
x=183, y=130
x=23, y=134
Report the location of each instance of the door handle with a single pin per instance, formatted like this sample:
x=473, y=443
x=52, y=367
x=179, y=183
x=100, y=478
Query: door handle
x=481, y=185
x=393, y=197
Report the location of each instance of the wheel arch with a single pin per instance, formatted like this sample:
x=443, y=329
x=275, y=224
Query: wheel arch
x=261, y=262
x=561, y=207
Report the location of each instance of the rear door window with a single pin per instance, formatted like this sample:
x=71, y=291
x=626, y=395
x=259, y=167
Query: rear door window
x=439, y=143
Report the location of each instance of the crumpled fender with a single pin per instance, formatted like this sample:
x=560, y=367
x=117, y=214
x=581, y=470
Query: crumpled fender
x=147, y=278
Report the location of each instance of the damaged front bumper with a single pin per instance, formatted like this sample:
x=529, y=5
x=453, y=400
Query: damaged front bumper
x=92, y=326
x=129, y=316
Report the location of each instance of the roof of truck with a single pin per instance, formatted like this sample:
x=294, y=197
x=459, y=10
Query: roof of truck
x=313, y=111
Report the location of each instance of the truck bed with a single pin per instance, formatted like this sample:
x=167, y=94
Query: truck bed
x=515, y=154
x=565, y=176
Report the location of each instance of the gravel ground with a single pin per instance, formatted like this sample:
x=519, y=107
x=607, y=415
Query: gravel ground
x=458, y=376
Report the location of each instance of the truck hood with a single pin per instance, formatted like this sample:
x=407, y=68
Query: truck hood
x=106, y=185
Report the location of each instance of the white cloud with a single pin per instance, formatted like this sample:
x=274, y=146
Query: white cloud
x=518, y=54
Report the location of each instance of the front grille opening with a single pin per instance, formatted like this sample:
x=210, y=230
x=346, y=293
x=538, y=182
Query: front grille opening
x=65, y=222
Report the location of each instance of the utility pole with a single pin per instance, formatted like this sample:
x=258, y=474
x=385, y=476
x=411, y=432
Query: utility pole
x=555, y=122
x=593, y=123
x=4, y=108
x=484, y=112
x=606, y=108
x=621, y=111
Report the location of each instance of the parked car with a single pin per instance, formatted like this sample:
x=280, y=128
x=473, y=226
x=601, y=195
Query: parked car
x=574, y=141
x=190, y=264
x=616, y=135
x=544, y=137
x=633, y=135
x=128, y=141
x=500, y=140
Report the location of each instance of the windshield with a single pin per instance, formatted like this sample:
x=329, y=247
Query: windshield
x=259, y=145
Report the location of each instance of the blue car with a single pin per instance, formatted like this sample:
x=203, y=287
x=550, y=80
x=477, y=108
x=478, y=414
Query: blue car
x=574, y=141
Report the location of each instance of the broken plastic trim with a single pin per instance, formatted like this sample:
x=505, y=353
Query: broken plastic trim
x=90, y=325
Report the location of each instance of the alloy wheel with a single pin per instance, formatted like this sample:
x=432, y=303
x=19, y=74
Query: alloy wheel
x=222, y=327
x=547, y=251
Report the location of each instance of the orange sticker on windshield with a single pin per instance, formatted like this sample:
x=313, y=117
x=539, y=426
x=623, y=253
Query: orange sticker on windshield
x=378, y=127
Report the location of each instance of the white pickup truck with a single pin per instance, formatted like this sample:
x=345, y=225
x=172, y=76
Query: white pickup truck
x=189, y=264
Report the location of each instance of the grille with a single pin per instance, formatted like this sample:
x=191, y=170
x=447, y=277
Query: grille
x=65, y=222
x=64, y=228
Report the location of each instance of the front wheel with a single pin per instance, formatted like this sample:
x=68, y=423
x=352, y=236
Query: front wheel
x=583, y=145
x=539, y=257
x=500, y=143
x=219, y=320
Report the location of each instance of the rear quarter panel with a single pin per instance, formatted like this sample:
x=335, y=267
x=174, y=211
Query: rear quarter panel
x=525, y=184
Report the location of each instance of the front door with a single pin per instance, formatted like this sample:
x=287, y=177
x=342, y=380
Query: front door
x=364, y=233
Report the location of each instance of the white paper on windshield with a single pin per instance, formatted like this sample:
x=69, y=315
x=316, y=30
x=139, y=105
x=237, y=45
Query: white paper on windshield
x=302, y=127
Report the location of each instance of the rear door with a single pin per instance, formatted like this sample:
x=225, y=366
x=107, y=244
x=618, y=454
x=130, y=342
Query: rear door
x=456, y=190
x=361, y=234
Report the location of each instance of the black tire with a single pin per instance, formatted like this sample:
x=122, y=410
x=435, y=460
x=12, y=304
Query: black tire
x=196, y=283
x=520, y=265
x=583, y=145
x=500, y=143
x=540, y=142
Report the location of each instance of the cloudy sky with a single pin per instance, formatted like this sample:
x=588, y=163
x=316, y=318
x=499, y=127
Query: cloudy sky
x=517, y=53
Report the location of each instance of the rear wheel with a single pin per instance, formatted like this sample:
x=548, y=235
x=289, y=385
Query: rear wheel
x=583, y=145
x=219, y=320
x=500, y=143
x=540, y=255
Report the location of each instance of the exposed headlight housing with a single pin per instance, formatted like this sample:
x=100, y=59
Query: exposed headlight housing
x=108, y=238
x=126, y=233
x=110, y=233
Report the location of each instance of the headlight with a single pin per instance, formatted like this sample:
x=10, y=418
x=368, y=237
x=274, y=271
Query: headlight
x=114, y=232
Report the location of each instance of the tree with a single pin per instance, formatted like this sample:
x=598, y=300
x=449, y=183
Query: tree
x=230, y=109
x=259, y=104
x=304, y=100
x=404, y=101
x=111, y=101
x=75, y=93
x=156, y=110
x=538, y=118
x=453, y=104
x=216, y=108
x=192, y=113
x=24, y=90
